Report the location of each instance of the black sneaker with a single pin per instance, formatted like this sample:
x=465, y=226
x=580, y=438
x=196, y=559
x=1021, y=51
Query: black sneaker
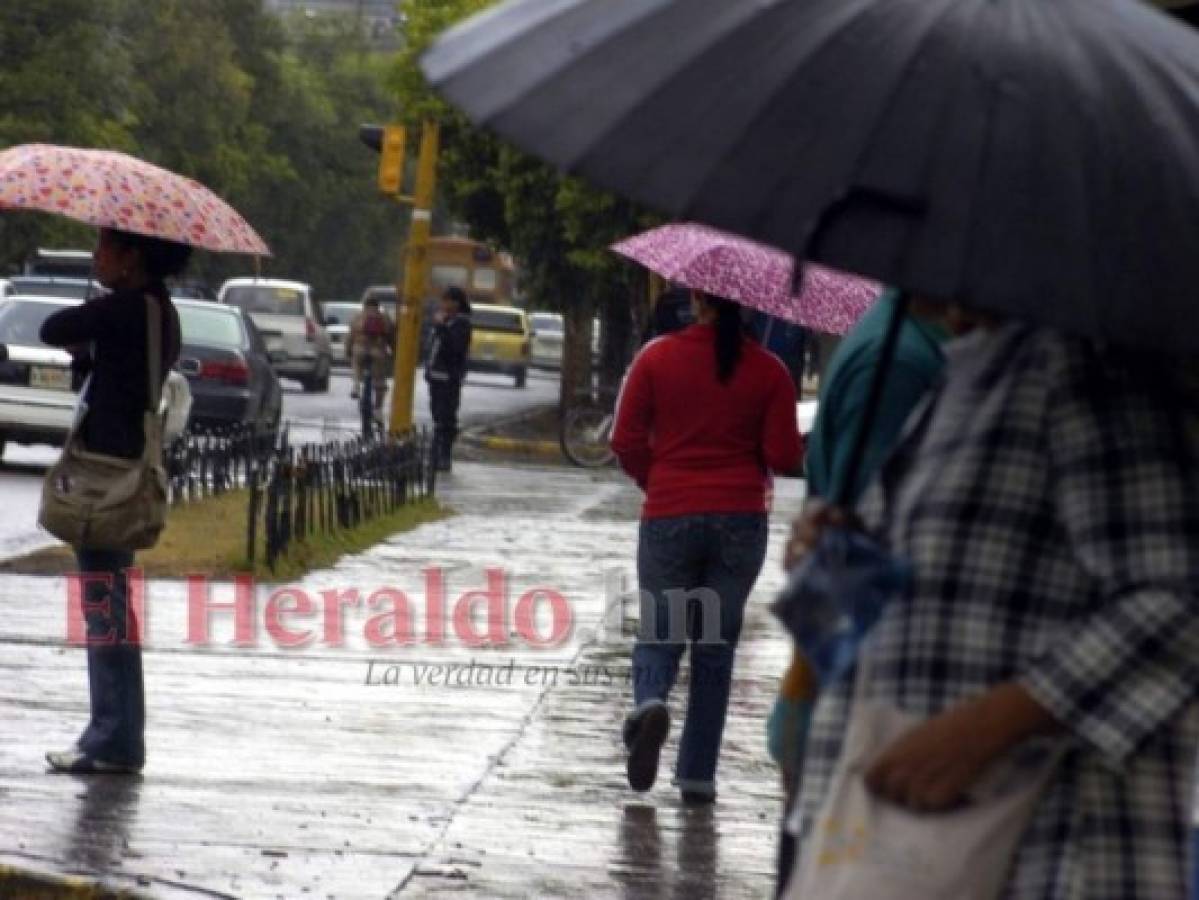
x=76, y=762
x=645, y=732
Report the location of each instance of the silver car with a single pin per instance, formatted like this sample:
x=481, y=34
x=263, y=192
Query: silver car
x=291, y=324
x=547, y=339
x=37, y=393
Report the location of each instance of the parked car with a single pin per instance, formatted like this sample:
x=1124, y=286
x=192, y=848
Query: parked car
x=191, y=289
x=60, y=263
x=228, y=368
x=500, y=341
x=37, y=390
x=548, y=334
x=54, y=286
x=291, y=324
x=338, y=317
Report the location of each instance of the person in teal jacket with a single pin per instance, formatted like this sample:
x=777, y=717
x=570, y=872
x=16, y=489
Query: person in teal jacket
x=843, y=396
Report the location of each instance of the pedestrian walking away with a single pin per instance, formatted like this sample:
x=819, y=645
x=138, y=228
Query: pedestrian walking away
x=704, y=418
x=369, y=344
x=446, y=370
x=108, y=340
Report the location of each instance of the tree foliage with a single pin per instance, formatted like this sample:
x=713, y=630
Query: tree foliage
x=265, y=115
x=558, y=228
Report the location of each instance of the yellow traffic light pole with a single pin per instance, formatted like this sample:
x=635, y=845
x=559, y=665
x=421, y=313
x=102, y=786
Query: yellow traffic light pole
x=416, y=278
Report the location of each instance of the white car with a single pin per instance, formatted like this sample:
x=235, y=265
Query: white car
x=37, y=403
x=338, y=317
x=289, y=319
x=547, y=337
x=805, y=414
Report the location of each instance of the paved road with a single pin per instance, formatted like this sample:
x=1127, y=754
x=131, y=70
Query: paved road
x=484, y=397
x=314, y=417
x=306, y=772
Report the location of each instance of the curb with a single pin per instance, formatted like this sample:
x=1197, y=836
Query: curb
x=484, y=437
x=29, y=884
x=513, y=445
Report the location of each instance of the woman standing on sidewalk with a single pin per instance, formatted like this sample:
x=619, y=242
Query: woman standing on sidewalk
x=107, y=336
x=704, y=417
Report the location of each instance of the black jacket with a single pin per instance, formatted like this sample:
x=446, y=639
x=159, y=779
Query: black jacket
x=449, y=349
x=107, y=336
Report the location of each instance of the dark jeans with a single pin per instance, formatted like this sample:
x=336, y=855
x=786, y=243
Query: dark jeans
x=116, y=731
x=786, y=857
x=695, y=573
x=444, y=398
x=1195, y=863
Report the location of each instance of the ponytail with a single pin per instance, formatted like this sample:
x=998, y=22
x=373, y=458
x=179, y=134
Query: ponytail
x=729, y=333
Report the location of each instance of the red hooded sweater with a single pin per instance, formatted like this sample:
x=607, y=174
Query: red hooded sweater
x=695, y=445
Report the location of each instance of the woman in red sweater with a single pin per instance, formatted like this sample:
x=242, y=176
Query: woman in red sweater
x=705, y=415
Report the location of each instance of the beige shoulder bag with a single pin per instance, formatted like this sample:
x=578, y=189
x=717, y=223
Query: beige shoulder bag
x=863, y=848
x=107, y=502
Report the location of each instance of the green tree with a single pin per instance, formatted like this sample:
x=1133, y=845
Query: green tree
x=558, y=228
x=64, y=79
x=218, y=90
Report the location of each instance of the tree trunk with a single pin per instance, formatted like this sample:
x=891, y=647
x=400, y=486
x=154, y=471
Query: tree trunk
x=616, y=337
x=576, y=352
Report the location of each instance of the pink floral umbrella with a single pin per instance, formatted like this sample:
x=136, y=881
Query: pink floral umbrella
x=753, y=274
x=112, y=190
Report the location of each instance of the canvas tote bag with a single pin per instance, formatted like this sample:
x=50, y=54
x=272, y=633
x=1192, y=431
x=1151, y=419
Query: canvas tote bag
x=863, y=848
x=108, y=502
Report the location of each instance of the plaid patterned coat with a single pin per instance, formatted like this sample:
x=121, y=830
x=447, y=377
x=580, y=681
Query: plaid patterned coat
x=1046, y=500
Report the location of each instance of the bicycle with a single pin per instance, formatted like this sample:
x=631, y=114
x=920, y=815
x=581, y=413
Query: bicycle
x=372, y=427
x=586, y=432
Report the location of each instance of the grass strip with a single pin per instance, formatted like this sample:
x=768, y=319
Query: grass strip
x=208, y=537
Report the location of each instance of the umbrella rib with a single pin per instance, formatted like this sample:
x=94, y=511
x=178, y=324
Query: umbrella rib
x=765, y=107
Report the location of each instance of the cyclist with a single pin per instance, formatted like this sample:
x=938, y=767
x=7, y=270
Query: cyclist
x=370, y=342
x=446, y=370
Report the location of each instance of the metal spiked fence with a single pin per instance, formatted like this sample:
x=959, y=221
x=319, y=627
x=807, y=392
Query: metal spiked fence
x=297, y=492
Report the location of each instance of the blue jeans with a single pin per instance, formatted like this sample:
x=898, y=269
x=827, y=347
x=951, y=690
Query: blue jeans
x=696, y=573
x=116, y=730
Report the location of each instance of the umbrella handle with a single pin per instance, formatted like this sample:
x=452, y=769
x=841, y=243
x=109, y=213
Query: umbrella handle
x=845, y=493
x=910, y=205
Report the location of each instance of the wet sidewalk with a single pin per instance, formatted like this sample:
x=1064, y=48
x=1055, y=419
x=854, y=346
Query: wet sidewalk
x=429, y=769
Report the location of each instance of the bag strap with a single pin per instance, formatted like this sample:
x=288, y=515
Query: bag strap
x=153, y=353
x=863, y=672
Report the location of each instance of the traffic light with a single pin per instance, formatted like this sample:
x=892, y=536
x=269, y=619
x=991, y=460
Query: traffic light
x=389, y=141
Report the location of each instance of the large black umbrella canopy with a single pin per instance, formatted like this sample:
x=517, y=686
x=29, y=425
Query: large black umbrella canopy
x=1038, y=158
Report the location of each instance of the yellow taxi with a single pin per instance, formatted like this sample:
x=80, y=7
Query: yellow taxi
x=500, y=341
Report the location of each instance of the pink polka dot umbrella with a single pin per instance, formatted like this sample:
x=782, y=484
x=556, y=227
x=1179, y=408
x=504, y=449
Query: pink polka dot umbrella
x=113, y=190
x=753, y=274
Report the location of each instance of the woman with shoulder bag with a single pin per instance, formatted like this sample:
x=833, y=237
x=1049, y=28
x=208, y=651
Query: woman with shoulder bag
x=1022, y=722
x=109, y=338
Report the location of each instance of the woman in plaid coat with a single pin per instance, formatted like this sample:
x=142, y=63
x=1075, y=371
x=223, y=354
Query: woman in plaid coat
x=1047, y=499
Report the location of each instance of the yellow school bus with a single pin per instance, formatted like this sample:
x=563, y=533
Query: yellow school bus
x=487, y=276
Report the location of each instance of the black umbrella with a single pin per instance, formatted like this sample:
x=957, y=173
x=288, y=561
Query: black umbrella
x=1037, y=158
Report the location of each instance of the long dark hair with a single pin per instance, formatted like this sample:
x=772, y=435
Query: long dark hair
x=729, y=333
x=161, y=258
